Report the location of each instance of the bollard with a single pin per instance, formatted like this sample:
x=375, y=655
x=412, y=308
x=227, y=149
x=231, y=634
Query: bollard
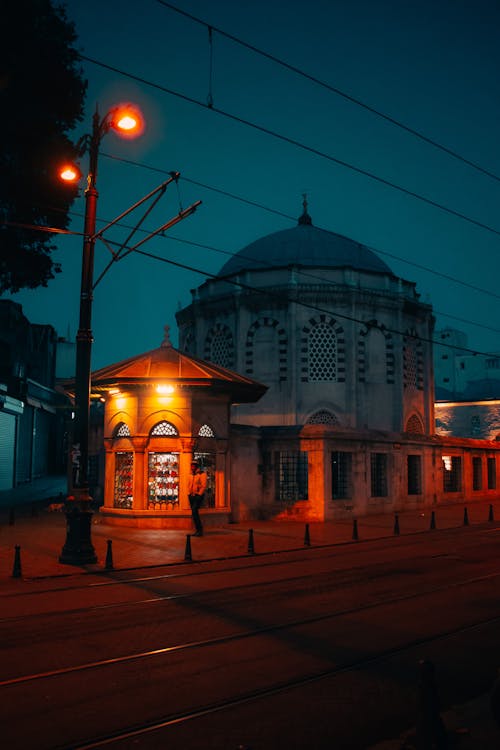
x=187, y=554
x=108, y=565
x=307, y=538
x=16, y=570
x=251, y=549
x=12, y=516
x=355, y=530
x=396, y=525
x=430, y=730
x=466, y=517
x=491, y=517
x=433, y=520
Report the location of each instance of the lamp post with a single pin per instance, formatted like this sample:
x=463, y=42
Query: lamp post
x=78, y=548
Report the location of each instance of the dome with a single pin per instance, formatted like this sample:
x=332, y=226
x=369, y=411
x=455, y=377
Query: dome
x=304, y=245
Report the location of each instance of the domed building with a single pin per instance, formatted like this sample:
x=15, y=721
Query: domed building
x=344, y=347
x=325, y=324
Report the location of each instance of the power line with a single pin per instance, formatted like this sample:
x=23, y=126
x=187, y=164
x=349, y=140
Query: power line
x=294, y=218
x=249, y=287
x=332, y=89
x=296, y=143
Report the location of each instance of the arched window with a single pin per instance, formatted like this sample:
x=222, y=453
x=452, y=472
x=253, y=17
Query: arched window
x=206, y=431
x=375, y=354
x=414, y=425
x=121, y=430
x=322, y=416
x=323, y=342
x=164, y=429
x=219, y=346
x=266, y=350
x=413, y=367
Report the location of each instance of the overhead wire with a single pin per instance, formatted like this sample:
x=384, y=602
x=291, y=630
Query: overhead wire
x=333, y=89
x=296, y=143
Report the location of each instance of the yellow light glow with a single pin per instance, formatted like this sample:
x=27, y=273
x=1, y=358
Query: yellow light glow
x=114, y=391
x=121, y=402
x=127, y=120
x=162, y=388
x=69, y=173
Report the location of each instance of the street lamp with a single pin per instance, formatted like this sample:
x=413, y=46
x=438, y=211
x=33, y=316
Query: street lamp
x=78, y=548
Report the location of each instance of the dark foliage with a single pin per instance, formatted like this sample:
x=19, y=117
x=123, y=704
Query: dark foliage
x=42, y=94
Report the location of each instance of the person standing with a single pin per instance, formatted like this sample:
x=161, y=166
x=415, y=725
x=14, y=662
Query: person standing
x=196, y=490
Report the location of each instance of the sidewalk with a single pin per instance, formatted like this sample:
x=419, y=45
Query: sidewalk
x=40, y=536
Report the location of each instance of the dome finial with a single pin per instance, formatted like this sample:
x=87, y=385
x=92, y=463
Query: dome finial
x=166, y=338
x=305, y=218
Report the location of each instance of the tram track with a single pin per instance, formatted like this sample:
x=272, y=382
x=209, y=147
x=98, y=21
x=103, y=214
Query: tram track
x=244, y=635
x=183, y=717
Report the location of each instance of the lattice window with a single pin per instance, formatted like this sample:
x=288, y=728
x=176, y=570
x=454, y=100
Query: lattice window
x=219, y=346
x=322, y=416
x=323, y=351
x=413, y=367
x=414, y=425
x=206, y=431
x=164, y=429
x=341, y=475
x=291, y=476
x=122, y=430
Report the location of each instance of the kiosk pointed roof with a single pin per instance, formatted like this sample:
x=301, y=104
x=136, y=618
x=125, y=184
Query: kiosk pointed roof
x=167, y=364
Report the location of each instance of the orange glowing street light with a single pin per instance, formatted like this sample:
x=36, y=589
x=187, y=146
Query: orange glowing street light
x=78, y=548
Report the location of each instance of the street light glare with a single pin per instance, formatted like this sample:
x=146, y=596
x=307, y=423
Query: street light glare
x=70, y=173
x=127, y=120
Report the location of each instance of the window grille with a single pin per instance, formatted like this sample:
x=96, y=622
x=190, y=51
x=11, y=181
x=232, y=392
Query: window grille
x=341, y=475
x=477, y=473
x=414, y=467
x=164, y=429
x=124, y=463
x=452, y=473
x=492, y=473
x=323, y=416
x=378, y=474
x=291, y=476
x=414, y=425
x=219, y=347
x=206, y=431
x=322, y=351
x=122, y=430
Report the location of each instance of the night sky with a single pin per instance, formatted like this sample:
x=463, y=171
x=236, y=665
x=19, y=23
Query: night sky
x=432, y=65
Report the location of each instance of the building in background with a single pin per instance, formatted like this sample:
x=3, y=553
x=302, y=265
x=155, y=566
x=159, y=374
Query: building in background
x=33, y=414
x=467, y=388
x=345, y=347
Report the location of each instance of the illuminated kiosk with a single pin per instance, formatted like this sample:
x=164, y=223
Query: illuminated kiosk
x=161, y=409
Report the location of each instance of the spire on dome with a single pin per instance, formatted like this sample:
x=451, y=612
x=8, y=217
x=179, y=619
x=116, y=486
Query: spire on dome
x=166, y=338
x=305, y=218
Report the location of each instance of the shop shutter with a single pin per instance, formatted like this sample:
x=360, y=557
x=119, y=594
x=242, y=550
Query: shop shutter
x=24, y=446
x=41, y=442
x=7, y=450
